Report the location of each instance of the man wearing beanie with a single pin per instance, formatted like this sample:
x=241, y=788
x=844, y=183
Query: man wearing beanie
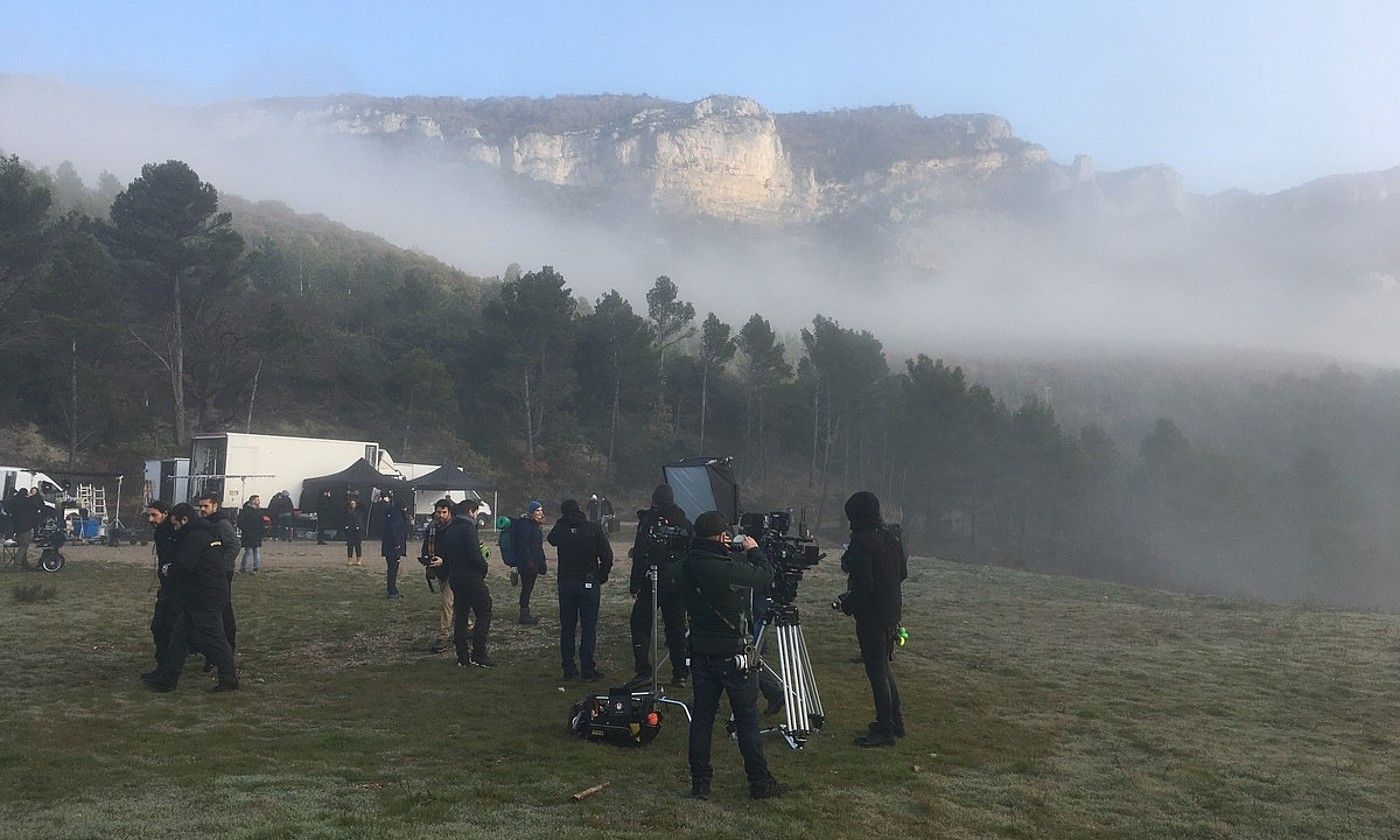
x=714, y=585
x=645, y=553
x=876, y=566
x=585, y=559
x=528, y=542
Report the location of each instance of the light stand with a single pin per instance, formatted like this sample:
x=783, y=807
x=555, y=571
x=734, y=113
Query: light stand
x=657, y=690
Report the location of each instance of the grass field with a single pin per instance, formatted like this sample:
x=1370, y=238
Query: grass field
x=1036, y=707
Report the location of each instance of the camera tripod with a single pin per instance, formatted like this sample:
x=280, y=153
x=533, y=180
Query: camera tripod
x=802, y=701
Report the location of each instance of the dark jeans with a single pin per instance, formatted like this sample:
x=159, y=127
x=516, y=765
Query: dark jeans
x=230, y=624
x=578, y=604
x=470, y=594
x=711, y=676
x=673, y=622
x=527, y=585
x=162, y=621
x=876, y=647
x=352, y=546
x=393, y=576
x=200, y=628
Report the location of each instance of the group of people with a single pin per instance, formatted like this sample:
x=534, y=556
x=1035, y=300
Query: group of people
x=706, y=596
x=24, y=510
x=195, y=549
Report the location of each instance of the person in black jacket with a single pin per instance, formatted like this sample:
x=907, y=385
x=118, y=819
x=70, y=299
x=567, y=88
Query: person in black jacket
x=211, y=508
x=528, y=540
x=585, y=560
x=393, y=540
x=354, y=533
x=250, y=533
x=163, y=539
x=281, y=505
x=876, y=565
x=456, y=547
x=645, y=553
x=201, y=588
x=325, y=516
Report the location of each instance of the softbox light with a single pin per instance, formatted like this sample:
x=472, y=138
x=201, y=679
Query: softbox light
x=703, y=484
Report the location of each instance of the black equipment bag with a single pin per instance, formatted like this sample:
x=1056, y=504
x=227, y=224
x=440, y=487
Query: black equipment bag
x=623, y=717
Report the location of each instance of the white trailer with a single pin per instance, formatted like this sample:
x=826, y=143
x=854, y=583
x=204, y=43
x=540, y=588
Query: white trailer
x=23, y=478
x=242, y=465
x=167, y=479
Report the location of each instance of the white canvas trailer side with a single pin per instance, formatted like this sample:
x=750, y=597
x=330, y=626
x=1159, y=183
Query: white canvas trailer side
x=242, y=465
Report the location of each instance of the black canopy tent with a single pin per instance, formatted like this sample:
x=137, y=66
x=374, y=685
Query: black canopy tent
x=448, y=477
x=358, y=477
x=702, y=484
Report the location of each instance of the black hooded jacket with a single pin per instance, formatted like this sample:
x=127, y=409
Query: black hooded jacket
x=645, y=551
x=459, y=547
x=197, y=569
x=584, y=552
x=875, y=562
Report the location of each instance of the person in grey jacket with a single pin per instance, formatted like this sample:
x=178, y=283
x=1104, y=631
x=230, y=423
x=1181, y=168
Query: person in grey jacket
x=210, y=508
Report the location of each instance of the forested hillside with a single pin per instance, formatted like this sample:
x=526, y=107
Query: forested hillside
x=132, y=315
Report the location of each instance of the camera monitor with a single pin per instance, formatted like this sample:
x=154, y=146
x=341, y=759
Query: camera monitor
x=702, y=484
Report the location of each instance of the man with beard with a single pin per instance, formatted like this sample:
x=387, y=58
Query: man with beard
x=163, y=542
x=585, y=559
x=715, y=585
x=209, y=508
x=201, y=591
x=456, y=548
x=876, y=565
x=646, y=553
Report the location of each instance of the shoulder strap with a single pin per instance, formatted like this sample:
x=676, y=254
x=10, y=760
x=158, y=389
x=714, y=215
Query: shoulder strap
x=690, y=578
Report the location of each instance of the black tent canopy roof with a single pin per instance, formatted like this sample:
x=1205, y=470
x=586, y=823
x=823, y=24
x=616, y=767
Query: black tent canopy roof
x=357, y=476
x=447, y=477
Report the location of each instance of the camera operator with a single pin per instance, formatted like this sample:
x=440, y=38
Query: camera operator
x=714, y=586
x=877, y=565
x=201, y=591
x=585, y=560
x=645, y=553
x=458, y=550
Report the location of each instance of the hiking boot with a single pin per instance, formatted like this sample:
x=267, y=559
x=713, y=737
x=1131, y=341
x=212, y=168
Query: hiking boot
x=766, y=789
x=699, y=788
x=526, y=618
x=222, y=687
x=482, y=660
x=875, y=739
x=156, y=685
x=592, y=675
x=569, y=676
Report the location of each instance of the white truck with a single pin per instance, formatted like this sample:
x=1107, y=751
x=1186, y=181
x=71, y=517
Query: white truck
x=241, y=465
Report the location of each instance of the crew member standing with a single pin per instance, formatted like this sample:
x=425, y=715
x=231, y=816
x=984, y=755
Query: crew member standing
x=528, y=543
x=458, y=550
x=167, y=607
x=210, y=508
x=201, y=590
x=393, y=541
x=354, y=533
x=646, y=553
x=714, y=584
x=876, y=565
x=250, y=533
x=585, y=559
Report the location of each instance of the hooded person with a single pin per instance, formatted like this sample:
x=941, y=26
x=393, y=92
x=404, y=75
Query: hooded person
x=876, y=566
x=393, y=541
x=584, y=563
x=647, y=553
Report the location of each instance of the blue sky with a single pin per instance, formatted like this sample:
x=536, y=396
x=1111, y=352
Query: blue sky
x=1258, y=95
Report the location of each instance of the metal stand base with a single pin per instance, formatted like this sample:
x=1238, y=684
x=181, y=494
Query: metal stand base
x=801, y=699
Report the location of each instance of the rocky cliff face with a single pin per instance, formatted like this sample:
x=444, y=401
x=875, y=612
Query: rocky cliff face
x=729, y=158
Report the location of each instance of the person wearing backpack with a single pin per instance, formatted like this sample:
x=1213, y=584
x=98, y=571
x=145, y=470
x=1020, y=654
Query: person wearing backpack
x=505, y=542
x=528, y=543
x=585, y=559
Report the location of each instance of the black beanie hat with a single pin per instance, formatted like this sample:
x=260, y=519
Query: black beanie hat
x=710, y=523
x=662, y=495
x=569, y=506
x=863, y=509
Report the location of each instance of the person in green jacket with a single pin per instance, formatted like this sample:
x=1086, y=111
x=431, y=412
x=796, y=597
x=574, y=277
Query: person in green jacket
x=714, y=585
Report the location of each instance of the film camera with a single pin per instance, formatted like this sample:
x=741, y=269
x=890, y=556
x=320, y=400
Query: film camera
x=790, y=554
